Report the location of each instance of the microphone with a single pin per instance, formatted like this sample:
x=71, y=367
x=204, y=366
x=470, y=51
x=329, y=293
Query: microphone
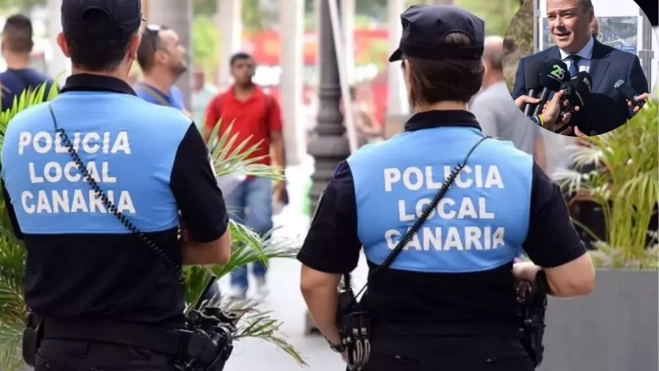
x=532, y=83
x=552, y=75
x=628, y=92
x=576, y=92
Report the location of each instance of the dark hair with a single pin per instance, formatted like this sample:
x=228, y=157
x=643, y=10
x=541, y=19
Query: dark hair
x=587, y=5
x=239, y=57
x=17, y=33
x=151, y=42
x=434, y=81
x=101, y=46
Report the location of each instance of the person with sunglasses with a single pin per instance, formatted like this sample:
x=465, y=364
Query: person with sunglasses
x=100, y=185
x=162, y=59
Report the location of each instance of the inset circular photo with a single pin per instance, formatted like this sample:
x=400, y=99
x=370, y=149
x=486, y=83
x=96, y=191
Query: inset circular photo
x=580, y=67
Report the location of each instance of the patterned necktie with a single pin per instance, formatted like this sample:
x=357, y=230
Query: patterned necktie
x=574, y=68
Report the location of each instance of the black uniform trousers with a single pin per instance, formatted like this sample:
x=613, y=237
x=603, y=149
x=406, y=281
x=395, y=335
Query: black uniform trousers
x=67, y=355
x=427, y=353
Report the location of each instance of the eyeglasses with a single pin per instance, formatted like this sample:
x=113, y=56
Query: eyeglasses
x=152, y=30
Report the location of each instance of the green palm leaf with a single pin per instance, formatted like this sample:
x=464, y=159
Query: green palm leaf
x=624, y=184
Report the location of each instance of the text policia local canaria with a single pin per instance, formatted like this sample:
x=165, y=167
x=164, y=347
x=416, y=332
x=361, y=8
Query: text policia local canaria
x=76, y=200
x=446, y=238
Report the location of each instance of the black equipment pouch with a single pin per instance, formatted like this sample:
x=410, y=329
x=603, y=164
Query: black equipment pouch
x=209, y=332
x=353, y=322
x=32, y=336
x=532, y=300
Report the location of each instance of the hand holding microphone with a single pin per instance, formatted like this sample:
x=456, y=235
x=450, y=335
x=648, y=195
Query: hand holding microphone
x=552, y=75
x=633, y=98
x=533, y=87
x=576, y=95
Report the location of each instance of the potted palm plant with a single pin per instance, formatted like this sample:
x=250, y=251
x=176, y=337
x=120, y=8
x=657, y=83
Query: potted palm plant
x=618, y=321
x=248, y=247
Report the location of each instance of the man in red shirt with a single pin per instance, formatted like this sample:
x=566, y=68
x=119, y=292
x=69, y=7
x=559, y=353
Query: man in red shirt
x=255, y=117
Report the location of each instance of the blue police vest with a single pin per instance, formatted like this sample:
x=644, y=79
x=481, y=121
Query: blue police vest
x=479, y=225
x=127, y=144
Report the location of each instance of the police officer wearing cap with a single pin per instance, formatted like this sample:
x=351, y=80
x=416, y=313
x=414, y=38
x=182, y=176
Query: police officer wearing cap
x=96, y=183
x=447, y=301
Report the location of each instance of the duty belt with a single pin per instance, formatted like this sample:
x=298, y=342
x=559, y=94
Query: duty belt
x=189, y=349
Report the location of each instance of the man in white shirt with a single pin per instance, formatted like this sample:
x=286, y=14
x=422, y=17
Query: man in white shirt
x=202, y=94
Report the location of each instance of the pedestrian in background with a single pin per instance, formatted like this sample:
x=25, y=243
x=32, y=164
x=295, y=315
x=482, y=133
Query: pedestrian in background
x=497, y=113
x=202, y=94
x=17, y=44
x=255, y=117
x=162, y=60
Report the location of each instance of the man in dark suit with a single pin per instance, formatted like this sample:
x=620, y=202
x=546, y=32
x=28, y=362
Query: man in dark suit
x=570, y=28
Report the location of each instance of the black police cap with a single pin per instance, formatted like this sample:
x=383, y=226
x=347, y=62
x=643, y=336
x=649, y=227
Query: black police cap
x=425, y=26
x=123, y=15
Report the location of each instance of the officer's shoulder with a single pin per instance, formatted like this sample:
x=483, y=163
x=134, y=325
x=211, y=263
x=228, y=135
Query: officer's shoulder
x=370, y=150
x=33, y=114
x=166, y=116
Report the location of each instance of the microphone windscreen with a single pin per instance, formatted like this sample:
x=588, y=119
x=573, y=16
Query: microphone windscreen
x=553, y=73
x=582, y=84
x=532, y=75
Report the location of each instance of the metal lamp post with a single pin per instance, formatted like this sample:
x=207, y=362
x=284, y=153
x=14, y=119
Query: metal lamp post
x=329, y=144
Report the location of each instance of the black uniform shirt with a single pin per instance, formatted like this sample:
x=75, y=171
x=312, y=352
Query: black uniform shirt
x=116, y=276
x=464, y=303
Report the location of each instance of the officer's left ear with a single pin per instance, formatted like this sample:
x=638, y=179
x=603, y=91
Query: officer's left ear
x=134, y=46
x=61, y=41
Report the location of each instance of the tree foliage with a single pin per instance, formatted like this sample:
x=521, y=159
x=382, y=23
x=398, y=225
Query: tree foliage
x=518, y=41
x=205, y=42
x=21, y=5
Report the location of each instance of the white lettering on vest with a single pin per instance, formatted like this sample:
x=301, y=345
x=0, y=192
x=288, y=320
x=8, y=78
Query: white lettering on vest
x=80, y=200
x=65, y=201
x=43, y=142
x=466, y=236
x=450, y=238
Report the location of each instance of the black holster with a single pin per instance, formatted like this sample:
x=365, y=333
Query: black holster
x=32, y=336
x=212, y=342
x=354, y=326
x=533, y=306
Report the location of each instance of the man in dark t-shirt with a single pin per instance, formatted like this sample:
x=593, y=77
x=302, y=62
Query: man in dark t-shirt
x=17, y=45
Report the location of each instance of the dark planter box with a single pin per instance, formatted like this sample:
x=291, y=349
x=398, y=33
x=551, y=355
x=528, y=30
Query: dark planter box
x=612, y=329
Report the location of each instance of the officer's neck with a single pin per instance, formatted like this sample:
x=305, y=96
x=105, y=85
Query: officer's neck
x=441, y=106
x=119, y=73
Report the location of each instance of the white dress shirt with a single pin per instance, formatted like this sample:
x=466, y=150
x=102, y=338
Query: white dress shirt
x=586, y=54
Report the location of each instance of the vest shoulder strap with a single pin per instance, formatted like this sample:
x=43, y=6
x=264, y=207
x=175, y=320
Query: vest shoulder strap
x=146, y=89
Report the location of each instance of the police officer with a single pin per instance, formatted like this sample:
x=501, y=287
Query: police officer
x=100, y=297
x=447, y=301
